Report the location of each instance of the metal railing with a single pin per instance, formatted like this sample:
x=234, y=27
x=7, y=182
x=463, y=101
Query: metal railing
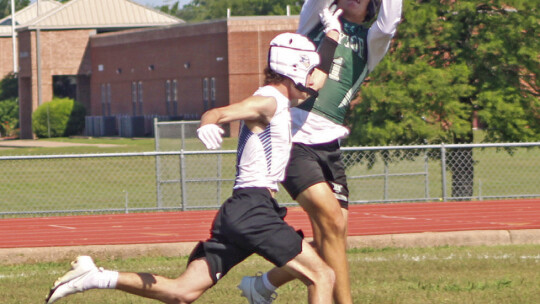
x=198, y=179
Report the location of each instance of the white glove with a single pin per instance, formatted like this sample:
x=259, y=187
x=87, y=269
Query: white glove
x=330, y=19
x=210, y=135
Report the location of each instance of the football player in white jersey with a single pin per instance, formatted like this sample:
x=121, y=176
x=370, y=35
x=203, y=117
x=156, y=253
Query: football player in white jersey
x=250, y=221
x=315, y=174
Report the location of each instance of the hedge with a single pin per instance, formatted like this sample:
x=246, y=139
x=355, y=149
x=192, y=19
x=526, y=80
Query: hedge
x=59, y=117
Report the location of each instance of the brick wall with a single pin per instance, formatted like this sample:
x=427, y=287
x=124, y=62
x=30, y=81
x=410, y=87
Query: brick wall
x=6, y=56
x=62, y=53
x=230, y=53
x=186, y=54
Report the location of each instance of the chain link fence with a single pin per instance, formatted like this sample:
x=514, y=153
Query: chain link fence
x=182, y=175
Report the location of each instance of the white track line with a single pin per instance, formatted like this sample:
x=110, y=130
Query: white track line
x=64, y=227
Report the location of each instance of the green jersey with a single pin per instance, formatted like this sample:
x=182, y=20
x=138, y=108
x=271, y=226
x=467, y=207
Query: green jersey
x=348, y=71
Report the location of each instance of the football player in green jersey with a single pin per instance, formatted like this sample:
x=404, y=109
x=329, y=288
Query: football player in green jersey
x=315, y=174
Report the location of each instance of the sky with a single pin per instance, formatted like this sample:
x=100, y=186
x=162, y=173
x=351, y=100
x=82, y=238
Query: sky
x=154, y=3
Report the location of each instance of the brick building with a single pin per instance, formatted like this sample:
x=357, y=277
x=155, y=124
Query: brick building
x=178, y=72
x=22, y=17
x=55, y=45
x=128, y=64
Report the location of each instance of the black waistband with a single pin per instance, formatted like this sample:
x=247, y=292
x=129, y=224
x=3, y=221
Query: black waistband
x=329, y=146
x=252, y=190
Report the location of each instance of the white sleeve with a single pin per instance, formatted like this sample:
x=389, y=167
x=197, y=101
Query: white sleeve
x=381, y=32
x=309, y=15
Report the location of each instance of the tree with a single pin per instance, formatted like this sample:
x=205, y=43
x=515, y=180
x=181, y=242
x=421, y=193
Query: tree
x=5, y=7
x=58, y=117
x=199, y=10
x=449, y=60
x=171, y=10
x=9, y=105
x=9, y=87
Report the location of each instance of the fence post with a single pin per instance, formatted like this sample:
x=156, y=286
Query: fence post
x=385, y=180
x=426, y=173
x=158, y=169
x=443, y=171
x=126, y=202
x=480, y=190
x=183, y=178
x=183, y=135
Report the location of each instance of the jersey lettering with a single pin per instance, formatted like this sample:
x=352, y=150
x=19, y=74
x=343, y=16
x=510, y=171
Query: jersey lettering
x=348, y=71
x=335, y=70
x=354, y=43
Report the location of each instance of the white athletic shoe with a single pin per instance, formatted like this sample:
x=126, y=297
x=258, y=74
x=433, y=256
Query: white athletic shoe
x=247, y=286
x=72, y=281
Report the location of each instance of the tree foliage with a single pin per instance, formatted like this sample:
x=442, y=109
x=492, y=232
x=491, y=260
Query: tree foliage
x=200, y=10
x=449, y=59
x=59, y=117
x=9, y=87
x=5, y=6
x=9, y=117
x=9, y=105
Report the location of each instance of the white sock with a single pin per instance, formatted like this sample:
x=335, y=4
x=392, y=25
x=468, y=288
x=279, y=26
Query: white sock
x=267, y=283
x=102, y=279
x=263, y=286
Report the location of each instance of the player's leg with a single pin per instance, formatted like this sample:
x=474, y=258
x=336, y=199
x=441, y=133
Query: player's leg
x=271, y=237
x=184, y=289
x=208, y=262
x=328, y=216
x=84, y=275
x=329, y=222
x=318, y=216
x=314, y=273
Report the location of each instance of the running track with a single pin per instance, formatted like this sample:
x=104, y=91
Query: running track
x=189, y=226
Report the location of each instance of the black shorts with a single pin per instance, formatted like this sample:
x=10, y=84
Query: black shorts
x=250, y=221
x=312, y=164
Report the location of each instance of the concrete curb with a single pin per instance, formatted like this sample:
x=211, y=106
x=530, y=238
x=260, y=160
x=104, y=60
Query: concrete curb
x=424, y=239
x=454, y=238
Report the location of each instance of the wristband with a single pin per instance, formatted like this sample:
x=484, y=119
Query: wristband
x=326, y=51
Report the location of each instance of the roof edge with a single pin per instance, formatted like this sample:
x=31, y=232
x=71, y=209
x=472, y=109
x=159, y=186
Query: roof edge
x=32, y=25
x=27, y=8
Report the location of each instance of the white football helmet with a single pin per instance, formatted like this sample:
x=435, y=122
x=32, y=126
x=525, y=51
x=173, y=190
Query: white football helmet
x=293, y=56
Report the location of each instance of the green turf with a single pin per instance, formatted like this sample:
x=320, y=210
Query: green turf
x=112, y=183
x=498, y=274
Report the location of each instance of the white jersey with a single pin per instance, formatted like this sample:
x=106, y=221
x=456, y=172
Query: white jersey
x=262, y=157
x=311, y=128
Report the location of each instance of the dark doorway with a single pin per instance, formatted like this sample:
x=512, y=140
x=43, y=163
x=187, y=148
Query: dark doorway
x=65, y=86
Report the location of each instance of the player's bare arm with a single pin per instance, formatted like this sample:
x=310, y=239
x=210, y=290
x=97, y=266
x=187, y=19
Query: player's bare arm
x=254, y=108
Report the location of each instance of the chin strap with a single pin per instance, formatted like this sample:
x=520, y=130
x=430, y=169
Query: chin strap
x=310, y=91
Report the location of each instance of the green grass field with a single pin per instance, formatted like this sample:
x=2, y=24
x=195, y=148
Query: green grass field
x=499, y=274
x=112, y=183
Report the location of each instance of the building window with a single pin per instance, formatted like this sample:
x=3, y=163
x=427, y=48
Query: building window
x=213, y=92
x=175, y=97
x=109, y=98
x=134, y=97
x=140, y=93
x=171, y=93
x=168, y=96
x=103, y=99
x=206, y=93
x=106, y=99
